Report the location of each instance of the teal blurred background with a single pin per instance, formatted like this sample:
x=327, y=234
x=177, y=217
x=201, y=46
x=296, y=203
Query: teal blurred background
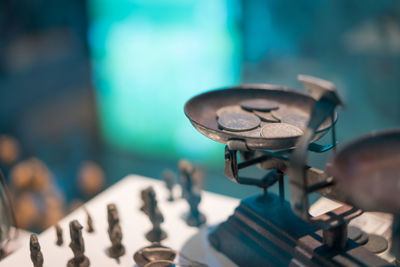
x=149, y=57
x=106, y=80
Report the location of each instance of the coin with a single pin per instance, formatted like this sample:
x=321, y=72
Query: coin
x=252, y=133
x=280, y=130
x=266, y=116
x=238, y=121
x=353, y=232
x=259, y=104
x=229, y=109
x=376, y=244
x=292, y=116
x=362, y=239
x=154, y=253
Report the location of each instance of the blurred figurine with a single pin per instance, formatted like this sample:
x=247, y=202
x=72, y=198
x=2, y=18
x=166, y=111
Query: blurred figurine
x=31, y=174
x=36, y=254
x=26, y=211
x=89, y=228
x=151, y=209
x=195, y=217
x=90, y=178
x=145, y=200
x=77, y=246
x=39, y=204
x=191, y=191
x=53, y=210
x=9, y=149
x=114, y=232
x=59, y=234
x=186, y=171
x=169, y=180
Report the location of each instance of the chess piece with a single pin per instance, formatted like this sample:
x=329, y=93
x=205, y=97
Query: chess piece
x=77, y=246
x=191, y=191
x=89, y=221
x=150, y=208
x=114, y=232
x=59, y=234
x=169, y=180
x=186, y=170
x=145, y=200
x=36, y=254
x=195, y=217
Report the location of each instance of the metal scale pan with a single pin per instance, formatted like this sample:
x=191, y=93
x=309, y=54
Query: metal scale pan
x=201, y=111
x=367, y=171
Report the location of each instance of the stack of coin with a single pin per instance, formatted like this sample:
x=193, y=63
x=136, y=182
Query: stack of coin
x=266, y=116
x=262, y=108
x=279, y=121
x=259, y=104
x=291, y=116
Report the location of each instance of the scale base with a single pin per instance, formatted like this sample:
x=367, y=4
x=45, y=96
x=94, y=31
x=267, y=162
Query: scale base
x=265, y=232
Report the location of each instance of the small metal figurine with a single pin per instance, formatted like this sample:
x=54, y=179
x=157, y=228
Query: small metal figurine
x=59, y=233
x=145, y=200
x=114, y=232
x=77, y=246
x=186, y=170
x=169, y=180
x=151, y=209
x=191, y=191
x=89, y=221
x=36, y=254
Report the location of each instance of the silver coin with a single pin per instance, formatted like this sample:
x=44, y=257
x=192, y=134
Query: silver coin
x=362, y=239
x=259, y=104
x=353, y=232
x=376, y=244
x=238, y=121
x=292, y=116
x=266, y=116
x=229, y=109
x=252, y=133
x=280, y=130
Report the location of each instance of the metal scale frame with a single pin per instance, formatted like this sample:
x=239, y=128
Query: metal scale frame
x=267, y=230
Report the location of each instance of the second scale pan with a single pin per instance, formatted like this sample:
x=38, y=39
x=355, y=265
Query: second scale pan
x=202, y=112
x=366, y=171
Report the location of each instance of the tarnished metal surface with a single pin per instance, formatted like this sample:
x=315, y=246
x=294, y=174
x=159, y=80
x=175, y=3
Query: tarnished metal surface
x=238, y=121
x=376, y=243
x=280, y=130
x=229, y=109
x=163, y=256
x=266, y=116
x=281, y=143
x=367, y=171
x=259, y=104
x=202, y=110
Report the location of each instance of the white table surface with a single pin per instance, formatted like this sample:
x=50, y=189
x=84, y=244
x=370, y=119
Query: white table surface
x=191, y=241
